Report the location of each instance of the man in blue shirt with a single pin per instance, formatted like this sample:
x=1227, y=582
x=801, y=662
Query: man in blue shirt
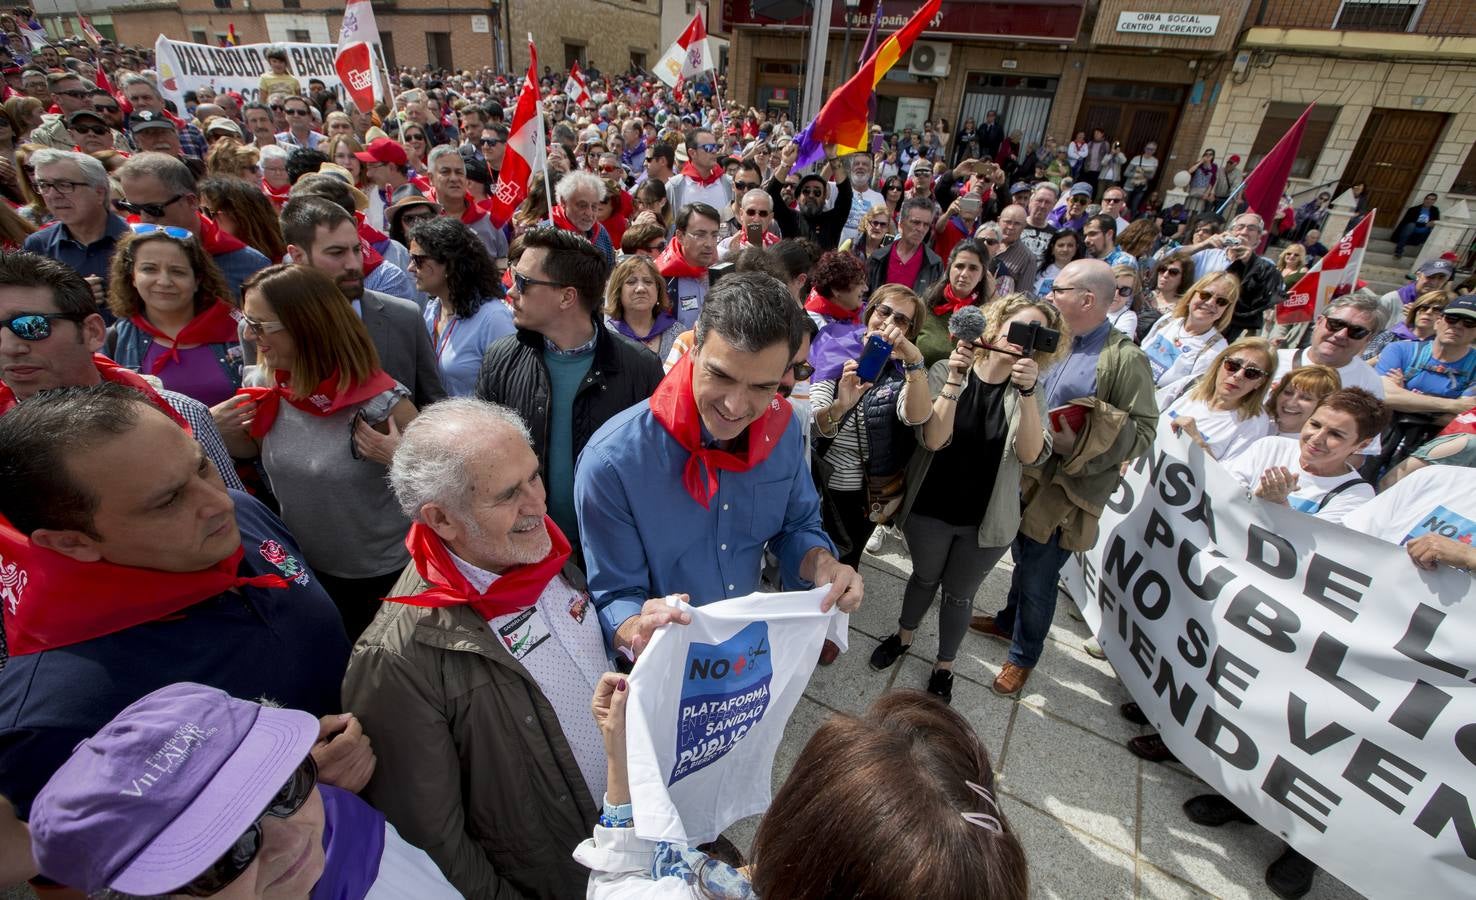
x=1436, y=375
x=75, y=187
x=680, y=495
x=114, y=587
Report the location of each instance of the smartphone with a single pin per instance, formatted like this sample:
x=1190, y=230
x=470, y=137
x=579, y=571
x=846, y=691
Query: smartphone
x=970, y=206
x=1231, y=242
x=353, y=429
x=1033, y=336
x=873, y=356
x=755, y=233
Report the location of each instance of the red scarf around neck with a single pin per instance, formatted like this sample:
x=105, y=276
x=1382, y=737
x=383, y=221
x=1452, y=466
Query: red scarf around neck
x=951, y=302
x=471, y=213
x=828, y=307
x=217, y=242
x=691, y=172
x=216, y=325
x=111, y=371
x=563, y=223
x=672, y=264
x=51, y=600
x=278, y=195
x=675, y=408
x=512, y=591
x=325, y=400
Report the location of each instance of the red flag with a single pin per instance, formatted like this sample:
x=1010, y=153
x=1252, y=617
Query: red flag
x=1334, y=275
x=355, y=67
x=525, y=151
x=1265, y=184
x=575, y=87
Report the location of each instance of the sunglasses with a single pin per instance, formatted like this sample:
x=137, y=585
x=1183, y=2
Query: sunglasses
x=261, y=328
x=744, y=187
x=491, y=142
x=521, y=282
x=709, y=148
x=277, y=107
x=887, y=313
x=1254, y=373
x=36, y=326
x=174, y=231
x=239, y=857
x=802, y=370
x=146, y=209
x=988, y=242
x=91, y=129
x=761, y=213
x=1356, y=332
x=1171, y=272
x=1453, y=319
x=1217, y=299
x=298, y=112
x=816, y=192
x=1125, y=290
x=420, y=259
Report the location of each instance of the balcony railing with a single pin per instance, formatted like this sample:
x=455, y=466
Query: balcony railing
x=1428, y=17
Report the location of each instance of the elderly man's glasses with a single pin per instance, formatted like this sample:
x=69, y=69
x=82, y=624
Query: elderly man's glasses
x=1356, y=332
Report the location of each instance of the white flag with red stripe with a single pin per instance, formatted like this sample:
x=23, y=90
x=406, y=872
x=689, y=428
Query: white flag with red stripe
x=689, y=56
x=359, y=26
x=575, y=87
x=525, y=149
x=1334, y=275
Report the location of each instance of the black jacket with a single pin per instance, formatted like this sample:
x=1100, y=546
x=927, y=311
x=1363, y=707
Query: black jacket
x=623, y=374
x=1413, y=213
x=824, y=228
x=927, y=274
x=1261, y=286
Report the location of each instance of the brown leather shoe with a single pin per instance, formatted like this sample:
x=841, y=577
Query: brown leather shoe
x=829, y=652
x=1011, y=679
x=987, y=626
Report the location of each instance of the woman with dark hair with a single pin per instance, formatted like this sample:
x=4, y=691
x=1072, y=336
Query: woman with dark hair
x=1065, y=246
x=9, y=139
x=465, y=313
x=174, y=320
x=832, y=828
x=864, y=430
x=962, y=508
x=837, y=282
x=798, y=256
x=242, y=210
x=966, y=281
x=893, y=192
x=651, y=205
x=636, y=304
x=417, y=148
x=1169, y=276
x=324, y=418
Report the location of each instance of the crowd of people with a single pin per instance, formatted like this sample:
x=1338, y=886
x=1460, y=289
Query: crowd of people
x=405, y=488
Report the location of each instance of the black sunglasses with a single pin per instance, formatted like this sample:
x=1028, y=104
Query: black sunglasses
x=1356, y=332
x=801, y=370
x=238, y=858
x=36, y=326
x=146, y=209
x=521, y=282
x=91, y=129
x=1455, y=319
x=1252, y=372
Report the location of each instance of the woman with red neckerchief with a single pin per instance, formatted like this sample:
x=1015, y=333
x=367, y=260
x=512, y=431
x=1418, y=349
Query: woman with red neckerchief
x=967, y=281
x=174, y=318
x=324, y=419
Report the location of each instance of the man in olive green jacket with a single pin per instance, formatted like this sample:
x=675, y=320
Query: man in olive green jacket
x=475, y=678
x=1109, y=378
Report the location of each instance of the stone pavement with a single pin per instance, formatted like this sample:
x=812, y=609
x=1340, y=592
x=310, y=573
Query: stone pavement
x=1096, y=821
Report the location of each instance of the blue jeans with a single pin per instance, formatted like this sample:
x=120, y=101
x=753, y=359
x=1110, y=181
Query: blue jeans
x=1412, y=233
x=1032, y=601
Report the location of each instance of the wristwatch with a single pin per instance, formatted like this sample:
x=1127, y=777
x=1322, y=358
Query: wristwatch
x=914, y=367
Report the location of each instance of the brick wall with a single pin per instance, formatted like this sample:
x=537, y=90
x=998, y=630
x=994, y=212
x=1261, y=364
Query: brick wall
x=1439, y=17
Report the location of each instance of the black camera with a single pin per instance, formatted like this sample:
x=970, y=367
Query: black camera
x=1032, y=337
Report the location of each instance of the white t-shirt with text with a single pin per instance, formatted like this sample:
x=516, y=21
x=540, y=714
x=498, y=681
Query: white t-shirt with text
x=1311, y=489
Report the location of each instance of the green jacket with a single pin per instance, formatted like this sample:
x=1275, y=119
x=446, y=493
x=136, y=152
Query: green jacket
x=1069, y=493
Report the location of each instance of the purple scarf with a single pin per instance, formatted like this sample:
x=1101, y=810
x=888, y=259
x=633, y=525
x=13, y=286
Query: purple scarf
x=353, y=842
x=659, y=325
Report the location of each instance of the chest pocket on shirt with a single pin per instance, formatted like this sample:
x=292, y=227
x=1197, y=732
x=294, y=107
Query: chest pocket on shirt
x=767, y=506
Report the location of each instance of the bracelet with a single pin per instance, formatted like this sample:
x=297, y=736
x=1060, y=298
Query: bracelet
x=947, y=396
x=913, y=367
x=1029, y=393
x=622, y=816
x=953, y=384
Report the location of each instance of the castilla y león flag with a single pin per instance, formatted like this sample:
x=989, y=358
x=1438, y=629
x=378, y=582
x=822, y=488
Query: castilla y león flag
x=525, y=150
x=575, y=87
x=1333, y=276
x=689, y=55
x=355, y=66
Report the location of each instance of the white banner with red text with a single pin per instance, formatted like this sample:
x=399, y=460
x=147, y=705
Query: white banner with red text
x=1312, y=674
x=187, y=67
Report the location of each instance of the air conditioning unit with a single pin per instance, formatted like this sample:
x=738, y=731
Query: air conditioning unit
x=929, y=59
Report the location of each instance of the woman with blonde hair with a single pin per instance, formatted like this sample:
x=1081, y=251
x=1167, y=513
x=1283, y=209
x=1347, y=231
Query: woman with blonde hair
x=13, y=229
x=34, y=209
x=25, y=113
x=174, y=318
x=963, y=490
x=1225, y=411
x=1297, y=394
x=230, y=157
x=1180, y=346
x=324, y=419
x=637, y=306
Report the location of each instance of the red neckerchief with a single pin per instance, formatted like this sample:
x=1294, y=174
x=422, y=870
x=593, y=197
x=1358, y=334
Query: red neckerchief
x=216, y=325
x=471, y=213
x=829, y=308
x=278, y=195
x=111, y=371
x=561, y=221
x=673, y=406
x=1465, y=423
x=951, y=302
x=513, y=591
x=672, y=264
x=55, y=601
x=372, y=258
x=691, y=172
x=216, y=242
x=325, y=400
x=369, y=232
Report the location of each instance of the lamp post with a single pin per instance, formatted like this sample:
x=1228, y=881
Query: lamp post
x=845, y=70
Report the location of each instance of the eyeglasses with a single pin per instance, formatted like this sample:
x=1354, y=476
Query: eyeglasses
x=173, y=231
x=147, y=209
x=1254, y=373
x=887, y=313
x=63, y=188
x=1164, y=272
x=1356, y=332
x=988, y=242
x=1455, y=319
x=91, y=129
x=1219, y=300
x=239, y=857
x=107, y=107
x=812, y=192
x=259, y=327
x=656, y=247
x=36, y=326
x=1124, y=290
x=761, y=213
x=294, y=111
x=420, y=259
x=521, y=282
x=802, y=370
x=744, y=186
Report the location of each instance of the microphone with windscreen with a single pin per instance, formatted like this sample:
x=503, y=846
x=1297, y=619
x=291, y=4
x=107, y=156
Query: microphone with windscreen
x=967, y=324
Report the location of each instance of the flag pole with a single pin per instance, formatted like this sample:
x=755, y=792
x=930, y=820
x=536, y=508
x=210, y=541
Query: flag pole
x=538, y=111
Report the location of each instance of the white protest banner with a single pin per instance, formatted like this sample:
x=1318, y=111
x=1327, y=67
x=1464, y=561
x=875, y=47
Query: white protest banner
x=1310, y=673
x=707, y=709
x=186, y=67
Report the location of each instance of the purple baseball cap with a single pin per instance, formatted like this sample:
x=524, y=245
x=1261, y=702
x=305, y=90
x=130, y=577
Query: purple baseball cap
x=161, y=792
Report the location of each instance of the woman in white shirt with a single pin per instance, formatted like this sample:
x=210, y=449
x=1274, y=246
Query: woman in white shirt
x=1122, y=311
x=1181, y=346
x=1224, y=411
x=1311, y=473
x=1297, y=394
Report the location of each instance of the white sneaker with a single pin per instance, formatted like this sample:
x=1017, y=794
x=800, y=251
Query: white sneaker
x=1093, y=648
x=878, y=537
